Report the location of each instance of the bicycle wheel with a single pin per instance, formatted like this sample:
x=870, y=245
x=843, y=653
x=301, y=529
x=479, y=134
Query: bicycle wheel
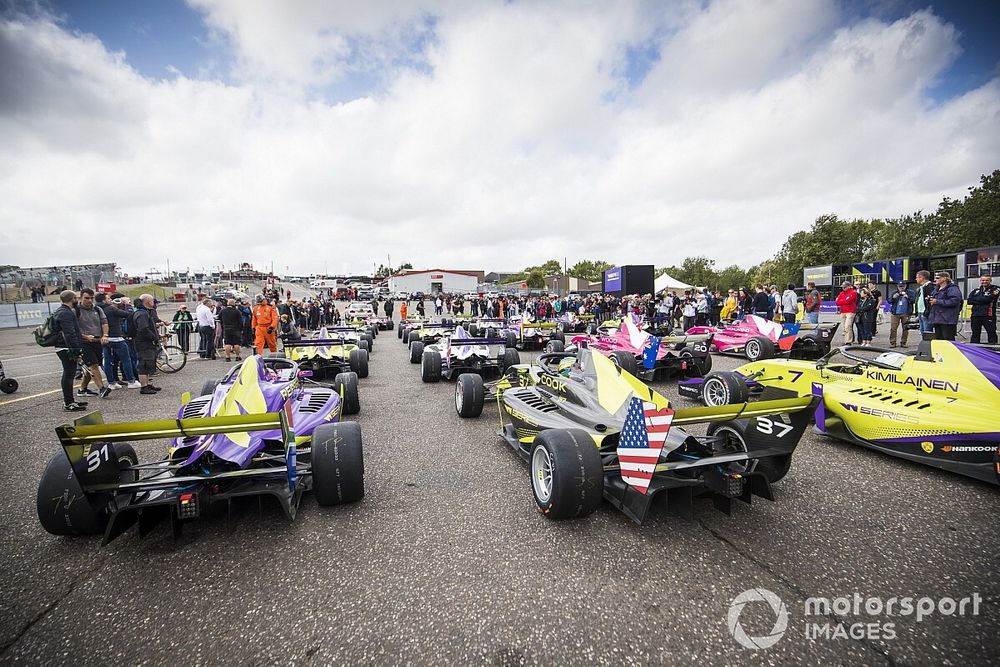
x=170, y=359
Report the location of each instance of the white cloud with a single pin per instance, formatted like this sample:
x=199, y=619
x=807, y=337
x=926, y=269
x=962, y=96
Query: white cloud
x=515, y=139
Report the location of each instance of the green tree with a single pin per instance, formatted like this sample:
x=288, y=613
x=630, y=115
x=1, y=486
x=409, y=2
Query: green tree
x=536, y=278
x=732, y=277
x=592, y=270
x=972, y=223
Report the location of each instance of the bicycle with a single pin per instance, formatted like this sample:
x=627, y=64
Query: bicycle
x=170, y=358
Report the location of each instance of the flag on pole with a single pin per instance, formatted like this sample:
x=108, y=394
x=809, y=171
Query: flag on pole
x=641, y=441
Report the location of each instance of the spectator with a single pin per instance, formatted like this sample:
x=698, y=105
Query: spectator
x=922, y=301
x=206, y=328
x=865, y=315
x=93, y=334
x=876, y=294
x=287, y=330
x=116, y=352
x=946, y=302
x=789, y=304
x=847, y=304
x=762, y=303
x=812, y=304
x=146, y=341
x=66, y=324
x=232, y=329
x=900, y=311
x=983, y=300
x=183, y=326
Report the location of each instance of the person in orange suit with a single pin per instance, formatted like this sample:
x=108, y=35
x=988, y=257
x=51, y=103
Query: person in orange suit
x=265, y=324
x=402, y=311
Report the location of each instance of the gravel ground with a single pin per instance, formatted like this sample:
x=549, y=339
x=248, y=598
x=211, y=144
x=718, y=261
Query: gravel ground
x=446, y=561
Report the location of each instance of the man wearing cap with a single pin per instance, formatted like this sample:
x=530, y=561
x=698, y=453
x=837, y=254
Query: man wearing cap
x=983, y=300
x=847, y=304
x=901, y=305
x=922, y=301
x=946, y=302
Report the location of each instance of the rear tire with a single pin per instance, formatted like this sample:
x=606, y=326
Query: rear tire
x=430, y=366
x=511, y=339
x=364, y=345
x=559, y=336
x=346, y=385
x=758, y=348
x=416, y=352
x=8, y=385
x=338, y=465
x=724, y=388
x=63, y=508
x=469, y=395
x=772, y=467
x=510, y=357
x=359, y=362
x=208, y=387
x=625, y=361
x=399, y=331
x=412, y=338
x=473, y=331
x=567, y=477
x=555, y=346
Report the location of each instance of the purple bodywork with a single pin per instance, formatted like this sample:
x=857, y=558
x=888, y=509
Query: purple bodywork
x=254, y=388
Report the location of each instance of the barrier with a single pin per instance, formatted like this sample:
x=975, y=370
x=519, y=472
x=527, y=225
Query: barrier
x=14, y=315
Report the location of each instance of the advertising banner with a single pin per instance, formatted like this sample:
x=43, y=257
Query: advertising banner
x=613, y=279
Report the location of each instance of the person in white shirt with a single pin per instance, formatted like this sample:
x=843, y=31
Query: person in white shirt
x=205, y=316
x=789, y=304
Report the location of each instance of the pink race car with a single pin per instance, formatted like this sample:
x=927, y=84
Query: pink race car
x=630, y=350
x=757, y=338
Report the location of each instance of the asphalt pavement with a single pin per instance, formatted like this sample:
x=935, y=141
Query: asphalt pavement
x=446, y=561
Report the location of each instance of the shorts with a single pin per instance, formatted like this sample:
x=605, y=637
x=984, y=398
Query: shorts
x=147, y=358
x=91, y=352
x=232, y=336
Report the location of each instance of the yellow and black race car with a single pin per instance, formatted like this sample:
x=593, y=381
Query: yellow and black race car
x=590, y=430
x=938, y=405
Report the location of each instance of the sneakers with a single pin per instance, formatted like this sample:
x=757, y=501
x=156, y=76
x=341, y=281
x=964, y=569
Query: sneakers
x=74, y=407
x=134, y=384
x=86, y=392
x=104, y=392
x=148, y=389
x=153, y=388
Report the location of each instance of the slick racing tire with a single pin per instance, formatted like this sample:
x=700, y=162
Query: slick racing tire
x=724, y=388
x=555, y=345
x=413, y=337
x=346, y=384
x=430, y=366
x=510, y=357
x=511, y=339
x=63, y=508
x=567, y=476
x=772, y=467
x=473, y=331
x=338, y=464
x=625, y=361
x=207, y=387
x=758, y=348
x=469, y=395
x=371, y=340
x=358, y=361
x=8, y=385
x=399, y=331
x=559, y=336
x=363, y=344
x=416, y=352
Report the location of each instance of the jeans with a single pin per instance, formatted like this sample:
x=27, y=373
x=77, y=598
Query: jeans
x=116, y=355
x=206, y=346
x=925, y=324
x=812, y=318
x=68, y=374
x=864, y=330
x=789, y=318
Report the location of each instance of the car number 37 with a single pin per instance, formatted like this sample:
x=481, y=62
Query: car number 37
x=771, y=427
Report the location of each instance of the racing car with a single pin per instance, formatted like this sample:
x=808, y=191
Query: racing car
x=530, y=334
x=263, y=430
x=937, y=405
x=427, y=332
x=7, y=385
x=630, y=349
x=570, y=322
x=334, y=350
x=758, y=338
x=458, y=353
x=590, y=430
x=493, y=327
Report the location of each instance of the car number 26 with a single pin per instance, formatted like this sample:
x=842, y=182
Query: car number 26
x=771, y=427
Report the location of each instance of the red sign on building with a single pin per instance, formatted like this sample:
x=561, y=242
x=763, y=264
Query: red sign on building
x=107, y=288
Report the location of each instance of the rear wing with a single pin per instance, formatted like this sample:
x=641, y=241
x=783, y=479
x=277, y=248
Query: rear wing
x=540, y=325
x=693, y=338
x=722, y=413
x=318, y=342
x=87, y=444
x=478, y=341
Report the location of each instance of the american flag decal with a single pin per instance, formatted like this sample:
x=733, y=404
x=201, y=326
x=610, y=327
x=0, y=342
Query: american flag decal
x=641, y=441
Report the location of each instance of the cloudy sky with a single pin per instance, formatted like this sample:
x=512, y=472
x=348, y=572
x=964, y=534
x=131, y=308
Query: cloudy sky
x=327, y=136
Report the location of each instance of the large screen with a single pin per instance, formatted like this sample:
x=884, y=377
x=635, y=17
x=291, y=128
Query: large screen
x=613, y=279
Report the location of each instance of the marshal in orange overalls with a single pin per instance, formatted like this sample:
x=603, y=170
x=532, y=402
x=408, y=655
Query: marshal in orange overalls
x=402, y=311
x=265, y=326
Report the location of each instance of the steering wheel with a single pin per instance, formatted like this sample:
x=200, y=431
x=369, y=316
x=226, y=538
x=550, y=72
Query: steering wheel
x=848, y=353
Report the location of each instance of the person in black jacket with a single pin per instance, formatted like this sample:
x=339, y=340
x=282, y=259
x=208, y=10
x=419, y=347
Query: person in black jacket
x=146, y=340
x=64, y=323
x=865, y=318
x=983, y=300
x=761, y=304
x=232, y=329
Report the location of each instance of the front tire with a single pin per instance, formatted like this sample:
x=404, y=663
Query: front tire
x=358, y=360
x=430, y=366
x=510, y=357
x=567, y=477
x=469, y=395
x=346, y=385
x=8, y=385
x=338, y=466
x=758, y=348
x=555, y=346
x=416, y=352
x=625, y=361
x=724, y=388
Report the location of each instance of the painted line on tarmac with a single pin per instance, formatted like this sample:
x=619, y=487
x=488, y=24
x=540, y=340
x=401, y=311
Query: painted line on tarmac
x=31, y=356
x=35, y=375
x=25, y=398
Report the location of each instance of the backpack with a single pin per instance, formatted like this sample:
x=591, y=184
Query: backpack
x=46, y=334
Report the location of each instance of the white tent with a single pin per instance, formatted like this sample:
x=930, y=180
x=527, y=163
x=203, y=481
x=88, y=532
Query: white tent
x=666, y=282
